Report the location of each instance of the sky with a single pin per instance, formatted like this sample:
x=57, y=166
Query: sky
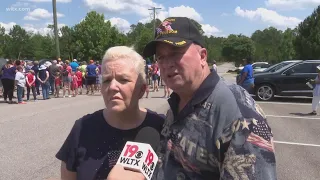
x=217, y=17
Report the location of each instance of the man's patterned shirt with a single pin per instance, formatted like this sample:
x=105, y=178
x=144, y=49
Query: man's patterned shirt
x=221, y=134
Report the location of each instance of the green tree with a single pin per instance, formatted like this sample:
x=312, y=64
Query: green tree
x=214, y=48
x=307, y=42
x=267, y=44
x=287, y=48
x=237, y=47
x=18, y=43
x=2, y=41
x=92, y=36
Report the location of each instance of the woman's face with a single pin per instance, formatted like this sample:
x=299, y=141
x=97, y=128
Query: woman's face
x=120, y=87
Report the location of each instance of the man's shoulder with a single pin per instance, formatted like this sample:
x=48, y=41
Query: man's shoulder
x=222, y=93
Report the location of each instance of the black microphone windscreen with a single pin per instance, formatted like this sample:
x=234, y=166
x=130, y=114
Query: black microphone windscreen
x=148, y=135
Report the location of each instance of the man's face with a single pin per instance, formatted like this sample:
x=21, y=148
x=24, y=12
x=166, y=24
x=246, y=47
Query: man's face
x=182, y=67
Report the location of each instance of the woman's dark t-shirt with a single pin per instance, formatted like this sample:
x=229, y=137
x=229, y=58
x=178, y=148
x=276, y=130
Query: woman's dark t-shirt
x=93, y=146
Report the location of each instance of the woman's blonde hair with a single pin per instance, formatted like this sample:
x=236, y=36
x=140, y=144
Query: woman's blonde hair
x=130, y=55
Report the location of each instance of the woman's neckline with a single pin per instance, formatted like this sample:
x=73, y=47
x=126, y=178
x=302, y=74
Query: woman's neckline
x=126, y=130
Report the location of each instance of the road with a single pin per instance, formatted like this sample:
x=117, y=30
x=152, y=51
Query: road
x=31, y=134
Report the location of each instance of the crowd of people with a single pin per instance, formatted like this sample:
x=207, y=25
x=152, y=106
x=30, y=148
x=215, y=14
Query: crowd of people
x=50, y=78
x=60, y=79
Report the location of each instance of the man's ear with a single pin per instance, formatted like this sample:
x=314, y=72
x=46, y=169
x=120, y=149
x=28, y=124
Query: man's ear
x=204, y=56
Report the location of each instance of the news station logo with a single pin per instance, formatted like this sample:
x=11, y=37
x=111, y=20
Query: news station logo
x=139, y=157
x=17, y=9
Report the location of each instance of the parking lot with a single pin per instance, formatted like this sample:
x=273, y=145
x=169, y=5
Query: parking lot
x=296, y=135
x=31, y=134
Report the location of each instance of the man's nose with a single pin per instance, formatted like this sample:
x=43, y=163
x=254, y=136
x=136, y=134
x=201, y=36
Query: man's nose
x=167, y=63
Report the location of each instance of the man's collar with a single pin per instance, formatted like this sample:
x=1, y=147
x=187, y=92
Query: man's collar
x=203, y=92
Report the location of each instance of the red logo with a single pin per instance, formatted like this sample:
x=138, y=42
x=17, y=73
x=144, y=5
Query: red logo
x=164, y=27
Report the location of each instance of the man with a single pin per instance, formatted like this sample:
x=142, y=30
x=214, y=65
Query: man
x=212, y=130
x=74, y=65
x=53, y=71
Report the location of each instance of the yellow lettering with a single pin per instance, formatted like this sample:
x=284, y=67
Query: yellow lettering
x=167, y=32
x=168, y=41
x=181, y=43
x=171, y=20
x=202, y=155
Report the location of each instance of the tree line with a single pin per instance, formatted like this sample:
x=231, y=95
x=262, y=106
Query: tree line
x=91, y=37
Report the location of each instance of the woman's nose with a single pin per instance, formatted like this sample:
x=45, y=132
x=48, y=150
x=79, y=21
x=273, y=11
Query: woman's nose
x=114, y=85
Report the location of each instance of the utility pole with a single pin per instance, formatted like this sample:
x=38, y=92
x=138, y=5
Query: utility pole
x=154, y=9
x=55, y=25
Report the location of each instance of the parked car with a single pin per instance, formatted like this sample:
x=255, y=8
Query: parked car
x=257, y=66
x=278, y=66
x=288, y=81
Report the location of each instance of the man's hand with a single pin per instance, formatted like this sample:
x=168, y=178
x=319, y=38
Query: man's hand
x=119, y=173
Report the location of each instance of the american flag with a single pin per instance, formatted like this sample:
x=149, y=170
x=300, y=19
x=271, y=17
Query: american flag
x=261, y=135
x=159, y=30
x=113, y=157
x=262, y=129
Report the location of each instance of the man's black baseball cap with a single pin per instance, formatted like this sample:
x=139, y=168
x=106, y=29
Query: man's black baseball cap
x=177, y=31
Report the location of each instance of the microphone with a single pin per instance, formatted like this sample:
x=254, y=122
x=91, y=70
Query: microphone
x=139, y=155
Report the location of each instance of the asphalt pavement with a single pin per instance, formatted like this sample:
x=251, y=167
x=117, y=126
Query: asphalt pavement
x=31, y=134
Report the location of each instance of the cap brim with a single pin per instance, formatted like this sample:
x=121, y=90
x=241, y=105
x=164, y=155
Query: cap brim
x=150, y=48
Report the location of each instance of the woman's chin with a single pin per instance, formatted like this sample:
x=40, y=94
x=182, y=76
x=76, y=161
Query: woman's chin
x=115, y=108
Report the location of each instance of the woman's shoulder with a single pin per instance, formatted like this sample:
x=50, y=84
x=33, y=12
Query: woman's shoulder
x=154, y=119
x=92, y=117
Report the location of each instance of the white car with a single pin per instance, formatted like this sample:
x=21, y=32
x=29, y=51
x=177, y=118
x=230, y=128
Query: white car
x=257, y=66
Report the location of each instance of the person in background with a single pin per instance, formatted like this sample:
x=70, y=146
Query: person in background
x=66, y=78
x=98, y=77
x=146, y=70
x=91, y=75
x=31, y=85
x=166, y=90
x=43, y=77
x=214, y=65
x=74, y=84
x=79, y=76
x=28, y=66
x=35, y=68
x=96, y=140
x=8, y=72
x=246, y=79
x=316, y=92
x=53, y=70
x=74, y=65
x=21, y=83
x=83, y=69
x=58, y=84
x=155, y=69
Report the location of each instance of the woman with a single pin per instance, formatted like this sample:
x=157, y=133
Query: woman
x=66, y=78
x=96, y=140
x=316, y=93
x=8, y=72
x=246, y=79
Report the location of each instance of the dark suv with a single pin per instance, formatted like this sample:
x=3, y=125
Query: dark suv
x=288, y=81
